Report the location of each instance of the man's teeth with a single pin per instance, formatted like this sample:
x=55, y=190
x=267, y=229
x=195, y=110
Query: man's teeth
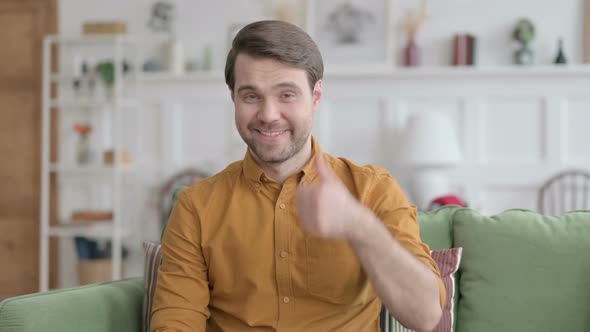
x=271, y=133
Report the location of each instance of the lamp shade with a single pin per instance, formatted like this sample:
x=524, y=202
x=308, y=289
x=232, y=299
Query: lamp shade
x=430, y=140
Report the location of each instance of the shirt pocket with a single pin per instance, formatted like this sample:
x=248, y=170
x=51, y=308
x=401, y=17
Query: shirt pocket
x=334, y=273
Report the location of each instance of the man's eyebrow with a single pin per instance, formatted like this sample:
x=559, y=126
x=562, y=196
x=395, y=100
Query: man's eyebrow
x=246, y=87
x=288, y=85
x=281, y=85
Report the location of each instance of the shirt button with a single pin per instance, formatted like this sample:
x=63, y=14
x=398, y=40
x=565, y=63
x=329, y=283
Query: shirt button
x=284, y=254
x=257, y=185
x=282, y=205
x=286, y=299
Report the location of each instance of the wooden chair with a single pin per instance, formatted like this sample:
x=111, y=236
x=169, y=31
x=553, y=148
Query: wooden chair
x=566, y=191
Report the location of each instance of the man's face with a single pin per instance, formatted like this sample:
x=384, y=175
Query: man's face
x=273, y=107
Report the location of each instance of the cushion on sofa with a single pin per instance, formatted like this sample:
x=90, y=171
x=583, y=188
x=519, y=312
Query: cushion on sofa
x=436, y=227
x=522, y=271
x=448, y=261
x=436, y=230
x=113, y=306
x=153, y=258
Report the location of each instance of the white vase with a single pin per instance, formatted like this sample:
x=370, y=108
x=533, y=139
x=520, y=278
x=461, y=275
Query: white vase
x=174, y=56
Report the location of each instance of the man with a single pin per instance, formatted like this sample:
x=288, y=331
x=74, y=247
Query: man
x=290, y=238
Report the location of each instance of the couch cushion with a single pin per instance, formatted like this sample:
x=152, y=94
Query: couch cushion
x=153, y=259
x=448, y=261
x=436, y=227
x=522, y=271
x=113, y=306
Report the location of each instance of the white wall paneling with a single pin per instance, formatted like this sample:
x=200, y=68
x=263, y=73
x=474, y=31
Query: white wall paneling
x=576, y=136
x=512, y=130
x=498, y=198
x=517, y=126
x=356, y=128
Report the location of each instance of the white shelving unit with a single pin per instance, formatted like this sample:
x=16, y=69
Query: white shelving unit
x=124, y=97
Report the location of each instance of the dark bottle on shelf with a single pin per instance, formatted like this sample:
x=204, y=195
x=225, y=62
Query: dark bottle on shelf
x=560, y=58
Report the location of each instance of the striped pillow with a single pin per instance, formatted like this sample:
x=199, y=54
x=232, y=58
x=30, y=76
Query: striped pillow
x=153, y=258
x=448, y=261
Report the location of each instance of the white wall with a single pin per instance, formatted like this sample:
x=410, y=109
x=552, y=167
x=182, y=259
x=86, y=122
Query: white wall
x=201, y=23
x=198, y=111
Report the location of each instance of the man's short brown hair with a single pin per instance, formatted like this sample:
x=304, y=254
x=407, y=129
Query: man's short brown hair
x=278, y=40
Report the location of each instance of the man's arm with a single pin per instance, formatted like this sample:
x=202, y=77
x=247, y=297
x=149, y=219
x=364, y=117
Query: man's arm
x=182, y=293
x=407, y=287
x=405, y=284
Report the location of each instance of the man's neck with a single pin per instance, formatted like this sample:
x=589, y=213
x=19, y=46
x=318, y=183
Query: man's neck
x=279, y=172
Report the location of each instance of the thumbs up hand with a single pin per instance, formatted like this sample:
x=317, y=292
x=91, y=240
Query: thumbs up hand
x=326, y=208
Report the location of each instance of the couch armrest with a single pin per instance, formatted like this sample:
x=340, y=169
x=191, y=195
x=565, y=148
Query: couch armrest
x=112, y=306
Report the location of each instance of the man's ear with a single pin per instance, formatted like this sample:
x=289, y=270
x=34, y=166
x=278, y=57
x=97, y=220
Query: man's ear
x=316, y=94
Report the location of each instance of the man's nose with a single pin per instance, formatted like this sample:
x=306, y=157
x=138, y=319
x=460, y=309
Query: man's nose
x=269, y=111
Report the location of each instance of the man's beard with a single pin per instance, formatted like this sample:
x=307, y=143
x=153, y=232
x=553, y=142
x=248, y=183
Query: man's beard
x=271, y=156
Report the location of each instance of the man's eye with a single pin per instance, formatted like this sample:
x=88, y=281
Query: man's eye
x=289, y=96
x=250, y=97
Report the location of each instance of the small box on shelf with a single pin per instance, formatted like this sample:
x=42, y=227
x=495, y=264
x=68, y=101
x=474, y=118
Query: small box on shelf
x=92, y=271
x=84, y=216
x=109, y=157
x=95, y=260
x=104, y=28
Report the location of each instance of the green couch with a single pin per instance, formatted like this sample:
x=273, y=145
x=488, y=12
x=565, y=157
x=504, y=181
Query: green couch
x=520, y=271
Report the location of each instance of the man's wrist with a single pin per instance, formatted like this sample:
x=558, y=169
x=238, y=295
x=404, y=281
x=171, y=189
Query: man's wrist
x=363, y=223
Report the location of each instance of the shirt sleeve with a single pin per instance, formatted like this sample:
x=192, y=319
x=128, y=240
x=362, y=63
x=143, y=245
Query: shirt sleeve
x=392, y=207
x=182, y=293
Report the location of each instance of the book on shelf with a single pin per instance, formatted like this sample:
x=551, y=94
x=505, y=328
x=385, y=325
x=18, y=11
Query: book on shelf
x=464, y=49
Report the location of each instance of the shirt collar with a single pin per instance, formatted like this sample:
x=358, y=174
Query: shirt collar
x=254, y=173
x=309, y=170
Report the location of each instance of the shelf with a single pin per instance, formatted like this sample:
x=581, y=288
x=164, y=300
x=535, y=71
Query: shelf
x=114, y=105
x=473, y=72
x=166, y=77
x=86, y=103
x=95, y=229
x=128, y=78
x=91, y=40
x=383, y=72
x=89, y=169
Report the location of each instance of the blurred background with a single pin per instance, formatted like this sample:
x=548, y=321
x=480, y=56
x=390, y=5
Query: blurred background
x=108, y=106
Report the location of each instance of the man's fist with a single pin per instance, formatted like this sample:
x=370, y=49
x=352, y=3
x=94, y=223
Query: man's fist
x=326, y=208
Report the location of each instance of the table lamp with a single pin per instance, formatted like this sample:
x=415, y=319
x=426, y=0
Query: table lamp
x=429, y=147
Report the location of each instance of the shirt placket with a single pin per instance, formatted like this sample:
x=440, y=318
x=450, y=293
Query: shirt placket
x=282, y=255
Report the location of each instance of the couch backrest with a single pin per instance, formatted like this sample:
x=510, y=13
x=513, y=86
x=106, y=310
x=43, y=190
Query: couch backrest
x=436, y=227
x=522, y=271
x=112, y=306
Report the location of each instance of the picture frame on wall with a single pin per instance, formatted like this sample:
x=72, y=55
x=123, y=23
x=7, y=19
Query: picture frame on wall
x=352, y=33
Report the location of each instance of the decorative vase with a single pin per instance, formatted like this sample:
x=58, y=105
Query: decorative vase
x=411, y=54
x=83, y=150
x=524, y=56
x=174, y=57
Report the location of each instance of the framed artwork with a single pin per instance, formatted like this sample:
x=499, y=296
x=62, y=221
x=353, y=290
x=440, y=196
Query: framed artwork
x=293, y=11
x=352, y=32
